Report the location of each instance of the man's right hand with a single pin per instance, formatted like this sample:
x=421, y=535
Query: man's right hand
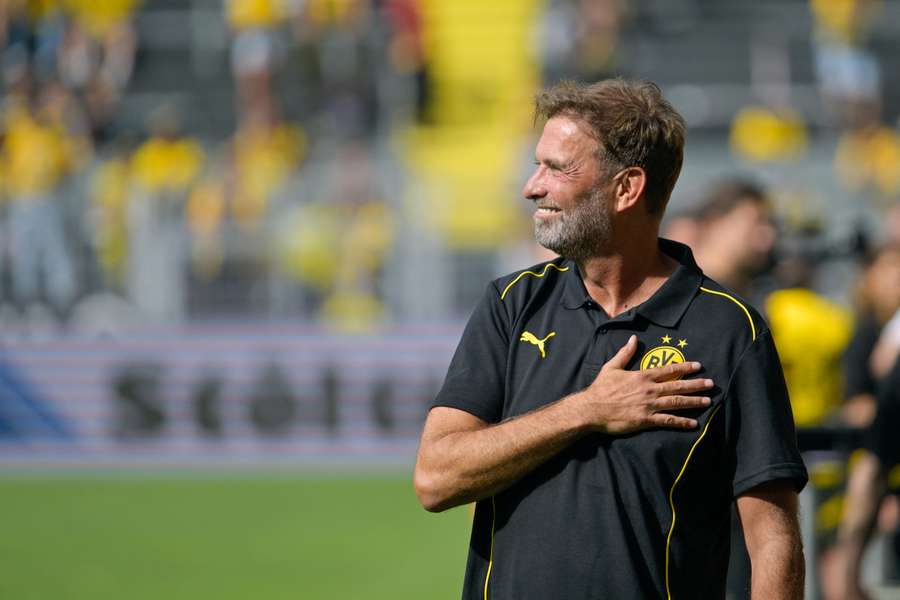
x=621, y=401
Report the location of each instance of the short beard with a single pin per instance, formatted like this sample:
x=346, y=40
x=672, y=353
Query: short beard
x=580, y=233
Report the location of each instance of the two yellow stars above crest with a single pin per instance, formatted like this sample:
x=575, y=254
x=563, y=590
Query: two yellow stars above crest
x=668, y=340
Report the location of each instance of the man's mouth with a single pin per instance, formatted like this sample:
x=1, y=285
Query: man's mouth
x=546, y=210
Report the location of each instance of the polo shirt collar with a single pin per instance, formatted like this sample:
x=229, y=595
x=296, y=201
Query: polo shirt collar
x=667, y=305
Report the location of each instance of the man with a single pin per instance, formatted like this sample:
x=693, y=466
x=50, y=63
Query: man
x=603, y=456
x=737, y=235
x=868, y=480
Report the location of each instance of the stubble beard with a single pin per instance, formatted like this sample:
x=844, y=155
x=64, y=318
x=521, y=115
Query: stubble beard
x=580, y=233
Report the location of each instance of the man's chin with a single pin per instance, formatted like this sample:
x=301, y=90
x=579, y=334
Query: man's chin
x=554, y=248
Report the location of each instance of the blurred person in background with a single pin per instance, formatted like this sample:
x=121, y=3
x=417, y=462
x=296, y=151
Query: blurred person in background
x=336, y=247
x=255, y=53
x=107, y=217
x=163, y=170
x=356, y=302
x=867, y=487
x=96, y=56
x=877, y=299
x=206, y=216
x=812, y=333
x=264, y=154
x=734, y=235
x=409, y=83
x=867, y=158
x=683, y=227
x=872, y=402
x=735, y=238
x=848, y=72
x=38, y=153
x=349, y=46
x=580, y=39
x=891, y=225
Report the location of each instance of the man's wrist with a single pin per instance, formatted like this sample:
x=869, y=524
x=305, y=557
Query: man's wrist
x=575, y=416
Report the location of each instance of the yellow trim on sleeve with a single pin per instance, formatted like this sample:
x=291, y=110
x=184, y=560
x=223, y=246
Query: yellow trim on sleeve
x=736, y=301
x=487, y=578
x=672, y=495
x=524, y=273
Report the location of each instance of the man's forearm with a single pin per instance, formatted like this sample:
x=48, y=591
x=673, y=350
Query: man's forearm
x=465, y=466
x=865, y=489
x=768, y=515
x=778, y=570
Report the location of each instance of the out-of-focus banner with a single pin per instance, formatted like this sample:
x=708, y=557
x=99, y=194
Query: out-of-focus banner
x=220, y=395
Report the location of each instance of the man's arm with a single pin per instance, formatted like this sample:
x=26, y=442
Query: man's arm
x=768, y=515
x=865, y=490
x=462, y=458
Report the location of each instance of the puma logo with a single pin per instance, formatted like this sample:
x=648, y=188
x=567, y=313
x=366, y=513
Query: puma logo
x=533, y=339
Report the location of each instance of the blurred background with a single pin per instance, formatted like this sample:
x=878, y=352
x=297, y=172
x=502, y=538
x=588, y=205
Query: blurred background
x=239, y=241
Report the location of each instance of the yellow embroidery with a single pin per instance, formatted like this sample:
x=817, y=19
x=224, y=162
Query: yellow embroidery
x=529, y=337
x=524, y=273
x=735, y=300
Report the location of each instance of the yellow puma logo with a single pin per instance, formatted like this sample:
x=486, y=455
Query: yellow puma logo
x=529, y=337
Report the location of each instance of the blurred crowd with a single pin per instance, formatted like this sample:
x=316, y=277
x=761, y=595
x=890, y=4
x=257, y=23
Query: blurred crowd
x=299, y=216
x=162, y=224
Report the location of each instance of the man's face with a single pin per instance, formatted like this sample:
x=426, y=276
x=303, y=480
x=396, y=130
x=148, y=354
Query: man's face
x=572, y=216
x=749, y=230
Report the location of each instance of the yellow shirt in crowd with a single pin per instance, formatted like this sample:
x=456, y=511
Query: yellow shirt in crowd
x=167, y=165
x=811, y=333
x=99, y=17
x=35, y=156
x=250, y=14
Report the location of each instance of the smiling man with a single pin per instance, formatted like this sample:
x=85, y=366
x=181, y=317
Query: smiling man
x=605, y=409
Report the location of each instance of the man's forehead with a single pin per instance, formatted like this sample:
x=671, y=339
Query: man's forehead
x=567, y=134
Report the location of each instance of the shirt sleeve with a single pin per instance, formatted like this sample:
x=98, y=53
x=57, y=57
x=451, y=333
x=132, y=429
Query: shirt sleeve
x=858, y=377
x=762, y=437
x=476, y=378
x=881, y=438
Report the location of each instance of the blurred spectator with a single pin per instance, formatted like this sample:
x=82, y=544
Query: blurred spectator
x=349, y=48
x=108, y=191
x=338, y=248
x=357, y=300
x=848, y=72
x=867, y=159
x=867, y=487
x=597, y=37
x=682, y=226
x=163, y=169
x=33, y=32
x=406, y=56
x=264, y=154
x=37, y=154
x=877, y=299
x=255, y=53
x=765, y=134
x=206, y=213
x=886, y=350
x=811, y=333
x=580, y=39
x=736, y=235
x=891, y=225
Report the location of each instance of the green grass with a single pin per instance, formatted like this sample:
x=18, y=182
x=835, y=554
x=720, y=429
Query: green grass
x=262, y=538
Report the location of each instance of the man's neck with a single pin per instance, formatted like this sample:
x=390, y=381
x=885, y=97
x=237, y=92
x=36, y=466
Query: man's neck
x=623, y=279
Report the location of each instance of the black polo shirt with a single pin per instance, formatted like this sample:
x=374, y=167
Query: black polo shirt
x=645, y=515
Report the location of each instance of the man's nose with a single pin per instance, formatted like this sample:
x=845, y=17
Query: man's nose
x=534, y=187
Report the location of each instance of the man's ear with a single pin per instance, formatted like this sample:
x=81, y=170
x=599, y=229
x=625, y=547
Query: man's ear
x=629, y=185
